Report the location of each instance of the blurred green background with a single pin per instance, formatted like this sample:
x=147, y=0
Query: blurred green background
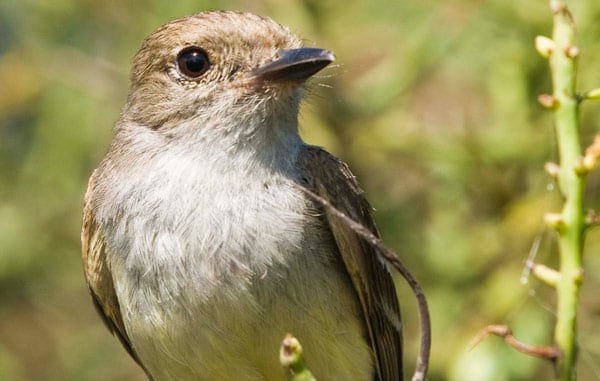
x=432, y=103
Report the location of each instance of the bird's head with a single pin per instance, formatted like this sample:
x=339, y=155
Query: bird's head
x=220, y=71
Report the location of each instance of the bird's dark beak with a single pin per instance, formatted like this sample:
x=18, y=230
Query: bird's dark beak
x=294, y=65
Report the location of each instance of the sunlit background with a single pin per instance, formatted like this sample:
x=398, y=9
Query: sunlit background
x=433, y=105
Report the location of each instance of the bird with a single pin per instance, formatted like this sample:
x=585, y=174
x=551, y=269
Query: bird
x=200, y=249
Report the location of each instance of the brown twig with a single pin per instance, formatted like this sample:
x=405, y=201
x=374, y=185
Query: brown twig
x=550, y=353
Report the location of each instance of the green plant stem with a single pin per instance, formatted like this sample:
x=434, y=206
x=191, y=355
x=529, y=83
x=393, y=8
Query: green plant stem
x=571, y=182
x=292, y=360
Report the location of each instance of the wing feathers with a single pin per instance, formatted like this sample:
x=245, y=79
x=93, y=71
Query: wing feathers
x=332, y=180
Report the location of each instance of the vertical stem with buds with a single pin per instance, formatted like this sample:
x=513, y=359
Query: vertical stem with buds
x=571, y=173
x=570, y=223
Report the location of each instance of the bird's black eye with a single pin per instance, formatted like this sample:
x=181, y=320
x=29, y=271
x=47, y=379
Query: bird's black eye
x=192, y=62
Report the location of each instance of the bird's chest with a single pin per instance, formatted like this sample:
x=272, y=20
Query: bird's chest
x=212, y=272
x=206, y=234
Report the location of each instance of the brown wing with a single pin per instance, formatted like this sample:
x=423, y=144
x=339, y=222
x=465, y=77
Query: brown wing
x=331, y=179
x=98, y=275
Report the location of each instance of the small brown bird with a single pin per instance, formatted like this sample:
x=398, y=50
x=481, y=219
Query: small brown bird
x=199, y=247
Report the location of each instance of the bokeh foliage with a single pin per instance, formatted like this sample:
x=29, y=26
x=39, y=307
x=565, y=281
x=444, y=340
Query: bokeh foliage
x=432, y=103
